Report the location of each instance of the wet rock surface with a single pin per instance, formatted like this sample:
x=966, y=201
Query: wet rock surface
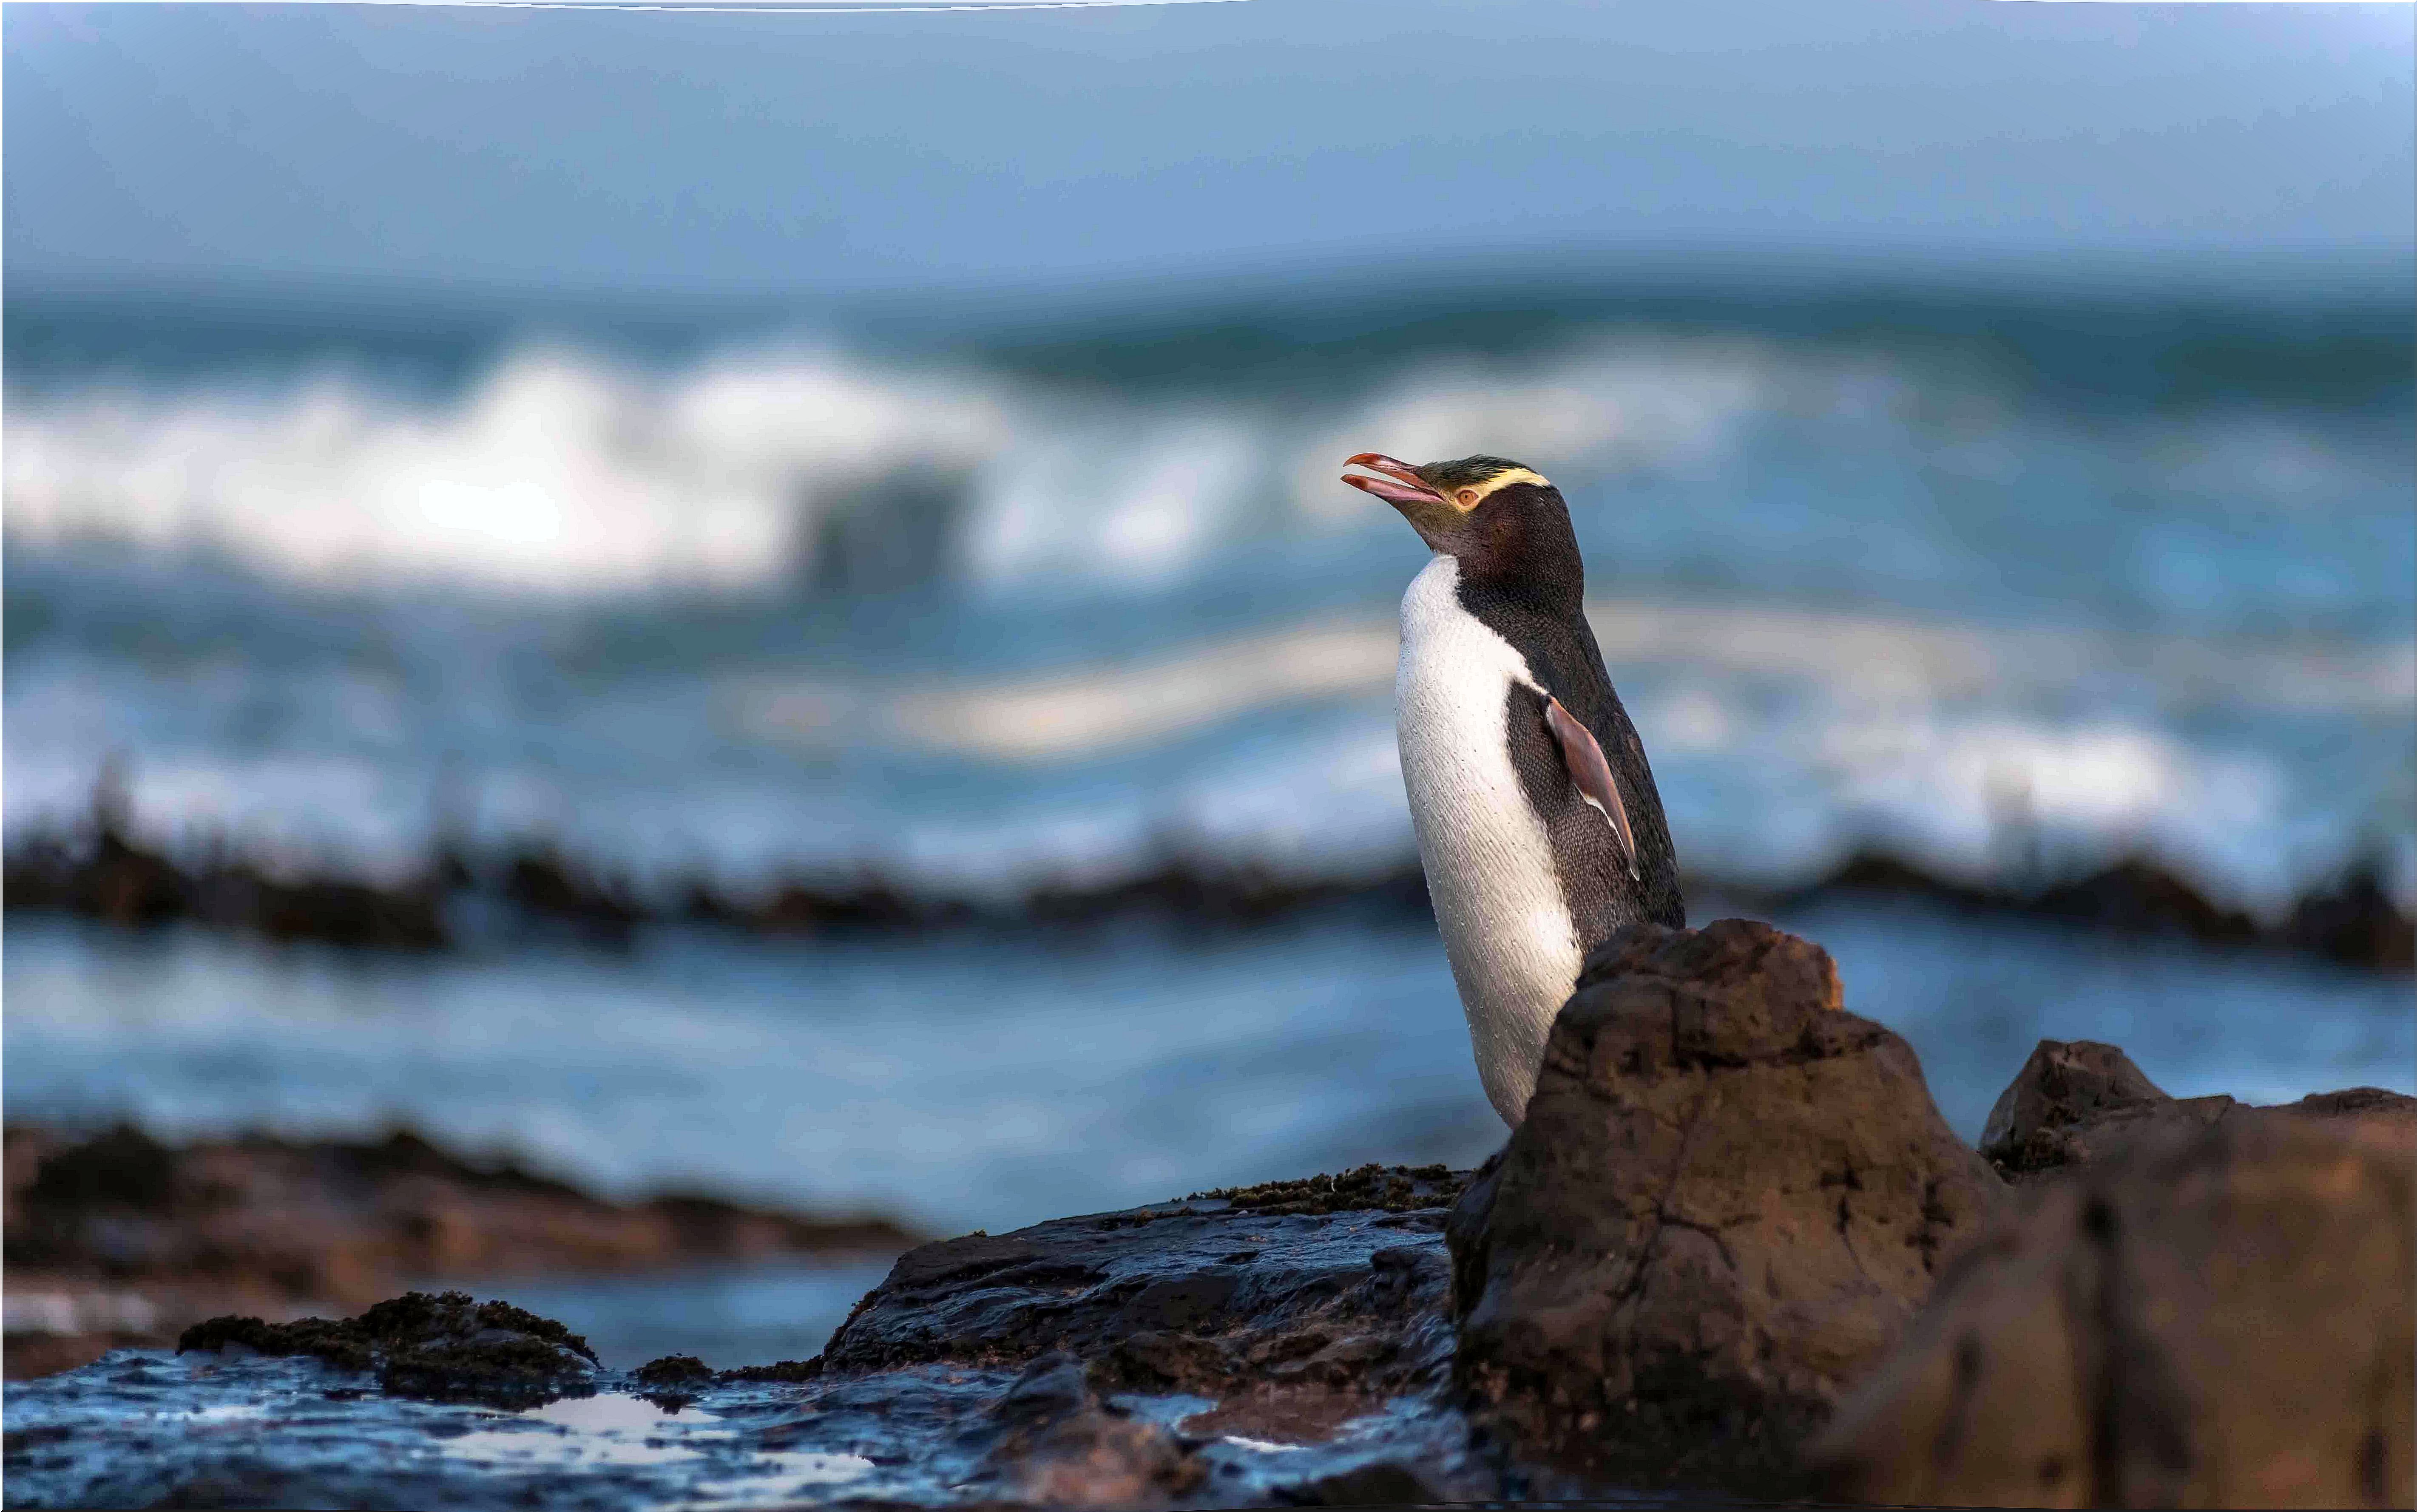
x=2202, y=1316
x=1728, y=1198
x=1330, y=1282
x=1197, y=1354
x=118, y=1239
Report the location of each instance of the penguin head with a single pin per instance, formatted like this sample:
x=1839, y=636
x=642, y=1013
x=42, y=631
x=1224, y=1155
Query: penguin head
x=1501, y=520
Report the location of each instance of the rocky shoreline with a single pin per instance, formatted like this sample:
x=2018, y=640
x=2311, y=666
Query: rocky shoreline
x=116, y=1240
x=1733, y=1253
x=101, y=870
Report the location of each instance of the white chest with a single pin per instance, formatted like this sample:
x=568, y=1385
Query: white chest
x=1489, y=860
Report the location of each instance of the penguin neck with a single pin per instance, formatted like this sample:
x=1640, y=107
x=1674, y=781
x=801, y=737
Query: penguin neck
x=1555, y=587
x=1527, y=557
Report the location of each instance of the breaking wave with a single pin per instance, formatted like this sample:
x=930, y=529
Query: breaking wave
x=790, y=604
x=572, y=473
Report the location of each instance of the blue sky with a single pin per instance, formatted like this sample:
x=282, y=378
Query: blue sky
x=763, y=153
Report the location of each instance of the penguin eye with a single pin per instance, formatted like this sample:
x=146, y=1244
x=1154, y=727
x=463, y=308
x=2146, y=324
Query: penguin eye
x=1468, y=498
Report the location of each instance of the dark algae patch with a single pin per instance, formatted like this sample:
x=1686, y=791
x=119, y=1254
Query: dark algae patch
x=122, y=1168
x=790, y=1371
x=671, y=1382
x=674, y=1381
x=1382, y=1188
x=101, y=871
x=440, y=1347
x=673, y=1371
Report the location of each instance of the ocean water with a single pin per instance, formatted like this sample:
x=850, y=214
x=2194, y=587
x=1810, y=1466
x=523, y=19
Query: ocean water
x=2001, y=578
x=980, y=1083
x=1932, y=573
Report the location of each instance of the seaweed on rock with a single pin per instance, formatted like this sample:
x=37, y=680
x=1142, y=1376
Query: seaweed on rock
x=440, y=1347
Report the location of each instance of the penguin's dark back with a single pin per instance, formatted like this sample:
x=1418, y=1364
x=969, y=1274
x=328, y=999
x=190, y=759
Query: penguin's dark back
x=1550, y=630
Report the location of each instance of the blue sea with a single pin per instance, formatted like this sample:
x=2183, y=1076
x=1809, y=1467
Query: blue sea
x=1997, y=573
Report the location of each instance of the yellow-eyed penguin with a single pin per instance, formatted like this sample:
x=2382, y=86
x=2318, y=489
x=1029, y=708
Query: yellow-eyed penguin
x=1537, y=818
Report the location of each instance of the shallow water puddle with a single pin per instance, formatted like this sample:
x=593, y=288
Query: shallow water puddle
x=610, y=1428
x=224, y=1412
x=774, y=1479
x=614, y=1428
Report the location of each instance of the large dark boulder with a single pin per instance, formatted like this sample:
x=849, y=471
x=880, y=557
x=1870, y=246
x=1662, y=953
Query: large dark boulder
x=1728, y=1198
x=2206, y=1315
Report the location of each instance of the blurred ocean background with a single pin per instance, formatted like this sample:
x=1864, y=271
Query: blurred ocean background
x=2002, y=560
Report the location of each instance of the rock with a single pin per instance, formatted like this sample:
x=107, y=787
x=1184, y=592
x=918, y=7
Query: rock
x=1377, y=1485
x=101, y=870
x=118, y=1239
x=1876, y=872
x=1061, y=1447
x=2350, y=918
x=2076, y=1101
x=1728, y=1196
x=2064, y=1094
x=122, y=1168
x=441, y=1348
x=541, y=880
x=114, y=876
x=2373, y=1106
x=1292, y=1343
x=671, y=1382
x=789, y=1371
x=2355, y=921
x=2213, y=1316
x=1206, y=1353
x=1319, y=1304
x=1398, y=1189
x=1273, y=1314
x=2140, y=896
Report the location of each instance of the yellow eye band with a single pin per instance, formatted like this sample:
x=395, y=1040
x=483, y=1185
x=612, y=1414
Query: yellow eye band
x=1470, y=495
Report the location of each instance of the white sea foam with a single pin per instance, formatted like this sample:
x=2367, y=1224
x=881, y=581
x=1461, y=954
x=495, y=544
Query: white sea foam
x=558, y=471
x=569, y=472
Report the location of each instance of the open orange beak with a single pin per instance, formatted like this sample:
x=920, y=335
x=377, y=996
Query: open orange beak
x=1400, y=486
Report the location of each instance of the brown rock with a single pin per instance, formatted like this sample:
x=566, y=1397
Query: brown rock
x=2208, y=1316
x=2065, y=1094
x=1728, y=1198
x=119, y=1239
x=2077, y=1101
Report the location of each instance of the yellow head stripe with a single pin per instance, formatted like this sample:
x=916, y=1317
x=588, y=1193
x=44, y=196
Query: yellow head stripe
x=1500, y=480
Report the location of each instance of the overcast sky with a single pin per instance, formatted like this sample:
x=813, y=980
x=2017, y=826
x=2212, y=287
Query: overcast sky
x=747, y=153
